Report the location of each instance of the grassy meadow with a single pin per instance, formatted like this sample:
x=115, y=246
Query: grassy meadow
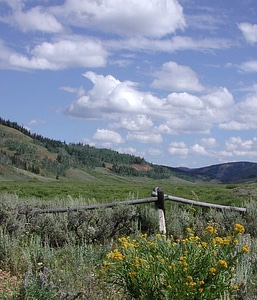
x=118, y=253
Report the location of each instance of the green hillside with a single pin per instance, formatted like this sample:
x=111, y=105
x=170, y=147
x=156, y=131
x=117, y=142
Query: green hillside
x=24, y=155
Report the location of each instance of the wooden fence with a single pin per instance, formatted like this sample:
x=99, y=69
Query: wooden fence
x=158, y=197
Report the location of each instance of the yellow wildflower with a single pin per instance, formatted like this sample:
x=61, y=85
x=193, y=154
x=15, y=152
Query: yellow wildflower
x=213, y=271
x=217, y=240
x=204, y=244
x=239, y=229
x=143, y=261
x=245, y=249
x=105, y=263
x=169, y=287
x=118, y=256
x=222, y=263
x=182, y=258
x=201, y=282
x=235, y=287
x=211, y=229
x=192, y=283
x=132, y=274
x=227, y=240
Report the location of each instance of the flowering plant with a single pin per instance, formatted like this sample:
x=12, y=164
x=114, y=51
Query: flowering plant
x=160, y=267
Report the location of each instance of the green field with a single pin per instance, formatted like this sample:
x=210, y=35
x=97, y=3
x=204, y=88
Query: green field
x=61, y=255
x=113, y=190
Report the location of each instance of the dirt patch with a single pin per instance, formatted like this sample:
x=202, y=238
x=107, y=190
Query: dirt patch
x=141, y=168
x=9, y=285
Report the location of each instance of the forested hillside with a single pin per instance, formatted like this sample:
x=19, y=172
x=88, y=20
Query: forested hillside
x=51, y=158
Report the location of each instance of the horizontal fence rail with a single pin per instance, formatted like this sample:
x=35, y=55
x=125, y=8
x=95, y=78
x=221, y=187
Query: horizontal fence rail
x=203, y=204
x=87, y=207
x=158, y=197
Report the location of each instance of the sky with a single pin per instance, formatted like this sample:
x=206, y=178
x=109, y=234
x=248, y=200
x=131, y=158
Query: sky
x=173, y=81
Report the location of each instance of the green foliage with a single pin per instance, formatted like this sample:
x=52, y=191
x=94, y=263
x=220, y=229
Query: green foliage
x=72, y=246
x=157, y=267
x=26, y=153
x=37, y=286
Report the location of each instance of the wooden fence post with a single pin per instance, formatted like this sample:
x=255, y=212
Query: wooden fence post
x=160, y=207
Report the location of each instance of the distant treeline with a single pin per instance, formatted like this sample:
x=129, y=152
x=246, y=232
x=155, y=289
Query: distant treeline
x=77, y=155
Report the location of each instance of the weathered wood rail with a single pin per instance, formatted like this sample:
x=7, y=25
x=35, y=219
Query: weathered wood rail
x=158, y=197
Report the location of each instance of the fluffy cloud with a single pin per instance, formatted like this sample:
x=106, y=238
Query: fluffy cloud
x=134, y=110
x=198, y=150
x=241, y=147
x=177, y=78
x=186, y=101
x=134, y=123
x=109, y=98
x=209, y=142
x=143, y=18
x=144, y=137
x=108, y=136
x=36, y=18
x=249, y=31
x=244, y=115
x=220, y=99
x=249, y=66
x=178, y=149
x=69, y=52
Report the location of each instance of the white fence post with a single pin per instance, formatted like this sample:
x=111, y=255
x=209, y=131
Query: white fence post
x=160, y=207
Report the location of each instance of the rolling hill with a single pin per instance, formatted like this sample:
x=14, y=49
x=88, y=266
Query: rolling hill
x=25, y=156
x=233, y=172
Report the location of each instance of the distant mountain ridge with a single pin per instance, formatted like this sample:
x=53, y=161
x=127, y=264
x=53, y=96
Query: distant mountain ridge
x=232, y=172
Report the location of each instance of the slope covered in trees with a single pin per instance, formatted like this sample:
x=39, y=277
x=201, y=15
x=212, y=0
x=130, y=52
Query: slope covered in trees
x=40, y=155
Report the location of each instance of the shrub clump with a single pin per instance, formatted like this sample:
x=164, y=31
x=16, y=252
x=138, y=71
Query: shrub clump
x=160, y=267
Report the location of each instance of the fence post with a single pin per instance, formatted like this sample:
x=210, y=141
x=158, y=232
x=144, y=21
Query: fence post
x=160, y=207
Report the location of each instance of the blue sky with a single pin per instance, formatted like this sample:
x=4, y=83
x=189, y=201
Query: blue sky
x=172, y=81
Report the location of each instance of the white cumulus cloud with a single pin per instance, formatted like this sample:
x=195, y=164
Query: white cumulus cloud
x=240, y=147
x=36, y=18
x=249, y=32
x=198, y=150
x=134, y=123
x=135, y=110
x=173, y=76
x=144, y=137
x=66, y=53
x=209, y=142
x=179, y=149
x=155, y=18
x=244, y=116
x=108, y=136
